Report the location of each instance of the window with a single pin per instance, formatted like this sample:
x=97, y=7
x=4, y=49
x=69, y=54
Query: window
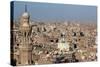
x=51, y=41
x=81, y=34
x=44, y=30
x=16, y=47
x=25, y=34
x=32, y=62
x=75, y=46
x=57, y=41
x=17, y=44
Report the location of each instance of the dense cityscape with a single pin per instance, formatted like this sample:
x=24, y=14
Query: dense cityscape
x=35, y=43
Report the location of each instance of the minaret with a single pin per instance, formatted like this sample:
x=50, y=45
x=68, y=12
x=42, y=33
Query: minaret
x=25, y=48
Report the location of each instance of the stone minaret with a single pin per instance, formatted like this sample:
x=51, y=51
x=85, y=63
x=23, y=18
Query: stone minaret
x=25, y=47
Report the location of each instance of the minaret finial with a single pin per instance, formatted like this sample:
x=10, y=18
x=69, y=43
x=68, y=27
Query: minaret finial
x=25, y=8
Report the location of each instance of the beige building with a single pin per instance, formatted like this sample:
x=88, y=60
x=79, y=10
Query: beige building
x=62, y=44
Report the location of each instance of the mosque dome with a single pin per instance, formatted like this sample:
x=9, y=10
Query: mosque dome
x=25, y=15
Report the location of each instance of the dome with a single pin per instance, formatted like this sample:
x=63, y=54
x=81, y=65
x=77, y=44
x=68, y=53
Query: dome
x=25, y=14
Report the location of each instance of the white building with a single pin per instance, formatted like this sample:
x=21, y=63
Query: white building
x=62, y=44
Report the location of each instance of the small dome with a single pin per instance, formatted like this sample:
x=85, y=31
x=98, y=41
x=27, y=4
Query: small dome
x=26, y=15
x=63, y=33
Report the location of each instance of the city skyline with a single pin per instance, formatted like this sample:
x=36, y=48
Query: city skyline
x=55, y=12
x=34, y=43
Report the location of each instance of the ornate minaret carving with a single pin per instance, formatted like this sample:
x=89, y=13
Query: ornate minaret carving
x=25, y=48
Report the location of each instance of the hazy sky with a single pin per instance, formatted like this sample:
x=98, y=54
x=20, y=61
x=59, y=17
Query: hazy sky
x=52, y=12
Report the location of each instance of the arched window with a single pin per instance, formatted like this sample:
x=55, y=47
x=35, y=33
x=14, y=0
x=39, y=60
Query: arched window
x=25, y=34
x=75, y=45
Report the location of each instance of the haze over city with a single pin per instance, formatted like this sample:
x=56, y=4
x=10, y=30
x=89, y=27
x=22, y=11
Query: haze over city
x=36, y=40
x=56, y=12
